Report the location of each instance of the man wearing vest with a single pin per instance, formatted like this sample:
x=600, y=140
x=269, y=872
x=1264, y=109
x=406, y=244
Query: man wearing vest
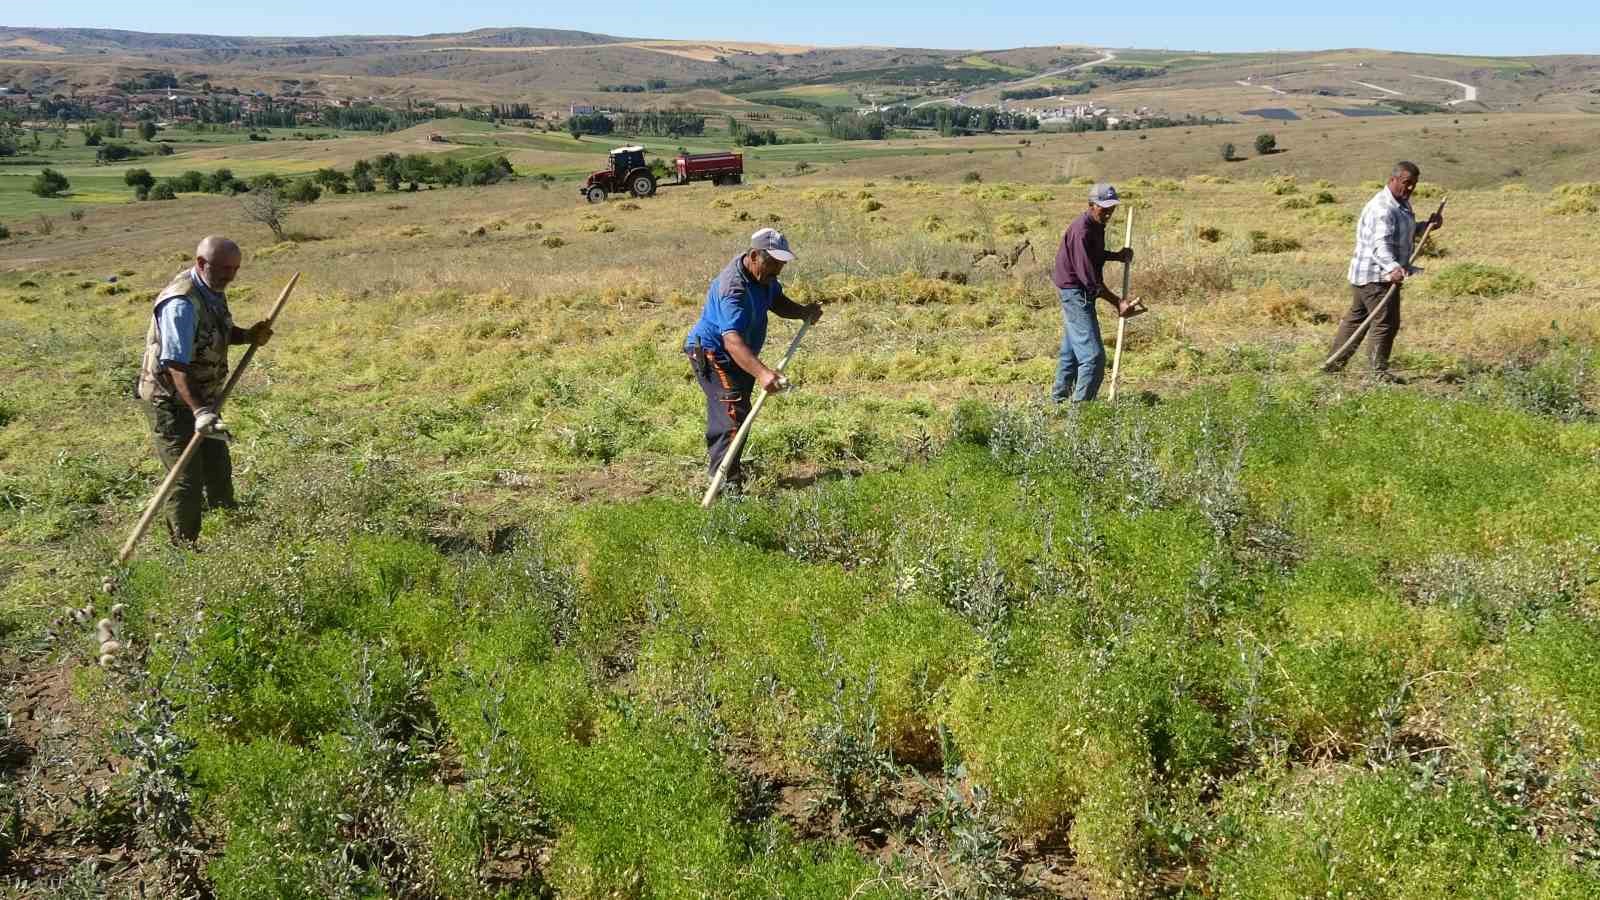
x=181, y=379
x=724, y=346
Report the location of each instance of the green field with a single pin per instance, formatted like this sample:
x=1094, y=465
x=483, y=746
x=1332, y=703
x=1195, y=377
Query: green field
x=825, y=94
x=980, y=62
x=93, y=183
x=1248, y=632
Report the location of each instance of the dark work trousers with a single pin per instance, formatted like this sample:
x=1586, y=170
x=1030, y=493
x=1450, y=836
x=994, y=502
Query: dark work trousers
x=1364, y=299
x=206, y=482
x=727, y=388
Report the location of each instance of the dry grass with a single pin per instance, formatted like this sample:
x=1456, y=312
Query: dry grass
x=1572, y=205
x=414, y=297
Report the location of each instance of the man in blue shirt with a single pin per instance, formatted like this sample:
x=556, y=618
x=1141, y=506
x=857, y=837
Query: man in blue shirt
x=724, y=346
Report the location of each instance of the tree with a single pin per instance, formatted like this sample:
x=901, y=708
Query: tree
x=221, y=182
x=91, y=135
x=332, y=179
x=387, y=166
x=1229, y=152
x=417, y=168
x=137, y=178
x=49, y=183
x=162, y=191
x=266, y=181
x=303, y=191
x=147, y=130
x=589, y=123
x=1265, y=144
x=363, y=183
x=109, y=153
x=267, y=204
x=452, y=172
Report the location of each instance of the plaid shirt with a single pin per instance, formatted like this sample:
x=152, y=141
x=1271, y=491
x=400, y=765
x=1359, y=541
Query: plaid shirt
x=1383, y=238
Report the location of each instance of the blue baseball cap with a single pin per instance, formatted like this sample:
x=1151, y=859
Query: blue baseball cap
x=1103, y=195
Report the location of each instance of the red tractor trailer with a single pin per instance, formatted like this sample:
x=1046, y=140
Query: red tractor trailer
x=629, y=173
x=717, y=168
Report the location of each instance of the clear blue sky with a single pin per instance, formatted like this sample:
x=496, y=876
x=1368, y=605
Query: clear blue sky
x=1503, y=27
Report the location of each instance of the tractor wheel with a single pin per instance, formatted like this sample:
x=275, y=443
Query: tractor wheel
x=643, y=184
x=735, y=178
x=596, y=194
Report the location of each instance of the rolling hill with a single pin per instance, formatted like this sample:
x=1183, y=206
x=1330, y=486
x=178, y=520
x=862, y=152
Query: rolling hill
x=551, y=68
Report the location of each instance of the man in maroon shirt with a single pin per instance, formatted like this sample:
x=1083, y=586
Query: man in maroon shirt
x=1080, y=276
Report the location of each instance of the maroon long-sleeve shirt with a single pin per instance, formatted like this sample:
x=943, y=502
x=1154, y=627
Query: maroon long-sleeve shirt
x=1081, y=260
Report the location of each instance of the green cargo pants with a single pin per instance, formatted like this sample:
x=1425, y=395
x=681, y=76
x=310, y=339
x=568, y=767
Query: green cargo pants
x=206, y=482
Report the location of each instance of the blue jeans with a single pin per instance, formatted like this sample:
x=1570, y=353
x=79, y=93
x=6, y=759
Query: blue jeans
x=1083, y=355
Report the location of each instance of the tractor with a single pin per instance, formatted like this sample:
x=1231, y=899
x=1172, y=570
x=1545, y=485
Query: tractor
x=628, y=172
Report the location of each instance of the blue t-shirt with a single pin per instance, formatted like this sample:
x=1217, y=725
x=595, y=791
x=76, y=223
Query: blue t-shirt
x=734, y=302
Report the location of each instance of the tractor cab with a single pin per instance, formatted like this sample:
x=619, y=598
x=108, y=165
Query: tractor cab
x=625, y=160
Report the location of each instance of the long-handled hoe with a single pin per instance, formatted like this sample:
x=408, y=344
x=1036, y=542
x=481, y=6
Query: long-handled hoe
x=744, y=430
x=194, y=443
x=1122, y=321
x=1387, y=296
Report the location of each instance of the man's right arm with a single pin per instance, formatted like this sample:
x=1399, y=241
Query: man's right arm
x=742, y=356
x=180, y=384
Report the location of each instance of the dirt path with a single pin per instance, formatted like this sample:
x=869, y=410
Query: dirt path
x=1367, y=84
x=1264, y=87
x=56, y=755
x=1472, y=92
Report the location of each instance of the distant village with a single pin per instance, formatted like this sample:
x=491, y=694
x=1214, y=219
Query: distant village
x=161, y=97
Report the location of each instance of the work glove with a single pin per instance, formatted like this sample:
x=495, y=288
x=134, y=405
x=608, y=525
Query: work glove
x=209, y=423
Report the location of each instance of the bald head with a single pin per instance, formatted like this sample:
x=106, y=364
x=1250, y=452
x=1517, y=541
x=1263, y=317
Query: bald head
x=217, y=260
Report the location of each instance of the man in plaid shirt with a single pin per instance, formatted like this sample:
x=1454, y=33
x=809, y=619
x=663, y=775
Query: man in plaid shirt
x=1384, y=238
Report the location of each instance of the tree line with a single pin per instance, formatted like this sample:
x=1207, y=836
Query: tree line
x=953, y=120
x=1039, y=93
x=658, y=124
